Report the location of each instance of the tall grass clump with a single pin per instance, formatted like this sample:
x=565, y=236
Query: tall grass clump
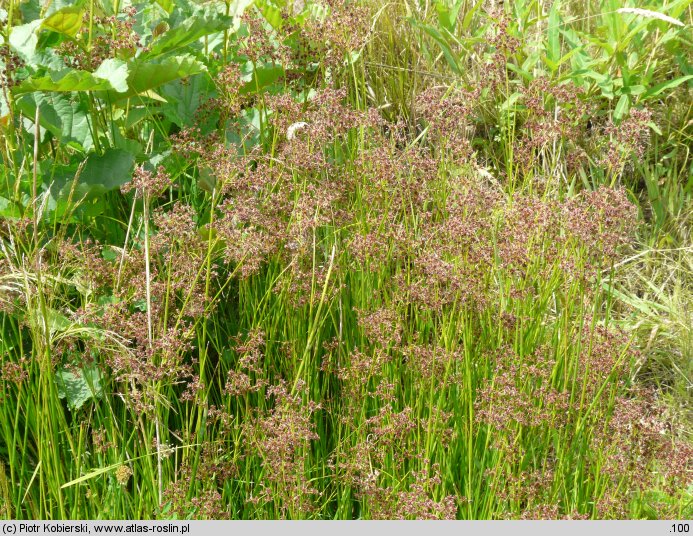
x=340, y=260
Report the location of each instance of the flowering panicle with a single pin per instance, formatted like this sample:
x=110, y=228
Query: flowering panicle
x=113, y=37
x=144, y=182
x=448, y=114
x=282, y=437
x=628, y=139
x=520, y=394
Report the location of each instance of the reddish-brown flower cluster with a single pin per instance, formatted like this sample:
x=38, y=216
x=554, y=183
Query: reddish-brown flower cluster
x=240, y=382
x=638, y=445
x=261, y=43
x=144, y=182
x=519, y=393
x=627, y=139
x=448, y=114
x=459, y=330
x=112, y=37
x=502, y=46
x=602, y=221
x=556, y=118
x=11, y=64
x=151, y=317
x=229, y=101
x=205, y=501
x=416, y=502
x=382, y=498
x=13, y=372
x=327, y=40
x=281, y=437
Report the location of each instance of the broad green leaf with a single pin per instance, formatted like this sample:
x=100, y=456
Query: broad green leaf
x=206, y=181
x=79, y=386
x=510, y=101
x=148, y=75
x=238, y=7
x=64, y=81
x=569, y=55
x=633, y=90
x=188, y=32
x=260, y=77
x=669, y=84
x=56, y=5
x=522, y=72
x=23, y=40
x=271, y=14
x=56, y=321
x=127, y=144
x=101, y=173
x=608, y=47
x=622, y=107
x=447, y=13
x=64, y=115
x=67, y=21
x=30, y=9
x=614, y=21
x=135, y=115
x=153, y=95
x=530, y=62
x=589, y=73
x=607, y=88
x=246, y=131
x=116, y=72
x=166, y=5
x=550, y=64
x=62, y=198
x=108, y=171
x=654, y=127
x=184, y=99
x=8, y=209
x=625, y=41
x=82, y=197
x=48, y=40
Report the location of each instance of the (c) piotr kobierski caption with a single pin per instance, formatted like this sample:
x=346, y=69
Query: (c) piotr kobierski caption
x=94, y=528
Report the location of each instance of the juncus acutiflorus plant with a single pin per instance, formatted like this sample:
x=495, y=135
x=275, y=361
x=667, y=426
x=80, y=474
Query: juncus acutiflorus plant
x=291, y=263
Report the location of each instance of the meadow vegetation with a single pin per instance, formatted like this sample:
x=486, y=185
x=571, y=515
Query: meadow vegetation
x=340, y=259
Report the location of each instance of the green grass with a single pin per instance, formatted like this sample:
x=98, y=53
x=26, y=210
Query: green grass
x=399, y=261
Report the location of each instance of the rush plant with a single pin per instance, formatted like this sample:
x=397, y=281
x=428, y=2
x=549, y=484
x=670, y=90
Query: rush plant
x=335, y=259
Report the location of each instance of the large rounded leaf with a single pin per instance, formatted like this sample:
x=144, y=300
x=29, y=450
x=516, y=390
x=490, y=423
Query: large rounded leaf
x=108, y=171
x=67, y=21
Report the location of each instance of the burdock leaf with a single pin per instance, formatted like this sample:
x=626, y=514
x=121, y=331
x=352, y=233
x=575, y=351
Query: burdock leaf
x=207, y=181
x=149, y=75
x=79, y=386
x=65, y=117
x=116, y=72
x=64, y=81
x=189, y=31
x=108, y=171
x=67, y=21
x=166, y=5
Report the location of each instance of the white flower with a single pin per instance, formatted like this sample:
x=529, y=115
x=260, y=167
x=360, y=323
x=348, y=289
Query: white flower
x=290, y=132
